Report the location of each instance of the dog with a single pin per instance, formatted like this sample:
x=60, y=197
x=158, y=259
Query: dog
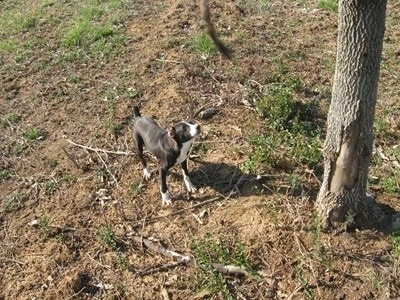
x=169, y=146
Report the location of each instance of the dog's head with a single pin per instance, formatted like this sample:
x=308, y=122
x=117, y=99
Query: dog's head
x=185, y=131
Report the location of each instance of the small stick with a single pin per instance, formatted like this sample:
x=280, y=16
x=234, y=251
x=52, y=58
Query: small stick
x=169, y=61
x=151, y=220
x=98, y=149
x=71, y=158
x=149, y=271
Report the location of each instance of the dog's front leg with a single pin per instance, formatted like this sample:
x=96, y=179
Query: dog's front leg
x=189, y=185
x=166, y=199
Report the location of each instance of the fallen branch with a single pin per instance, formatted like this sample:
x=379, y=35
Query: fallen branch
x=183, y=260
x=98, y=149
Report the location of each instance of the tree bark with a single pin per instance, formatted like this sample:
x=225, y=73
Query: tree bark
x=349, y=141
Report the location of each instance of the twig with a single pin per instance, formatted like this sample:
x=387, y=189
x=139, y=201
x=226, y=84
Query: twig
x=13, y=260
x=71, y=158
x=151, y=220
x=149, y=271
x=98, y=149
x=169, y=61
x=105, y=166
x=183, y=260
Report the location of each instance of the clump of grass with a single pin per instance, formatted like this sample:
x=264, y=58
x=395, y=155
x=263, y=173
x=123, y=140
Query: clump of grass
x=33, y=134
x=12, y=202
x=4, y=174
x=215, y=250
x=203, y=44
x=292, y=131
x=107, y=235
x=391, y=183
x=44, y=223
x=11, y=119
x=395, y=239
x=329, y=5
x=50, y=187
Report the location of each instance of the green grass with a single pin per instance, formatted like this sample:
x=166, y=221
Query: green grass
x=292, y=129
x=33, y=134
x=395, y=240
x=50, y=187
x=107, y=236
x=44, y=223
x=203, y=44
x=329, y=5
x=11, y=202
x=4, y=174
x=391, y=182
x=211, y=249
x=11, y=119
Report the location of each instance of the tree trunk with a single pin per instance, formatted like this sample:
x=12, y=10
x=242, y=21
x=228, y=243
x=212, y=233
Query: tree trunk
x=348, y=145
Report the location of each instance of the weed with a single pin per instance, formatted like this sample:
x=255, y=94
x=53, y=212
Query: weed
x=273, y=208
x=316, y=230
x=308, y=294
x=11, y=119
x=69, y=178
x=7, y=45
x=12, y=202
x=50, y=187
x=44, y=223
x=135, y=188
x=4, y=174
x=329, y=5
x=107, y=235
x=213, y=250
x=203, y=44
x=33, y=134
x=395, y=239
x=391, y=183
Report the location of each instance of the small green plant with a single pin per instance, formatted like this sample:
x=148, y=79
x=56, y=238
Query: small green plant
x=316, y=230
x=395, y=239
x=4, y=174
x=391, y=183
x=12, y=202
x=33, y=134
x=307, y=292
x=50, y=187
x=214, y=250
x=44, y=223
x=12, y=119
x=135, y=187
x=107, y=235
x=69, y=178
x=203, y=44
x=329, y=5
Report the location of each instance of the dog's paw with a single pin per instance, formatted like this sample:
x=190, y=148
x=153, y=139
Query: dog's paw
x=189, y=185
x=146, y=173
x=166, y=199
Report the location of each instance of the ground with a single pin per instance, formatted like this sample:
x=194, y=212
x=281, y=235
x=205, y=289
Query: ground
x=74, y=218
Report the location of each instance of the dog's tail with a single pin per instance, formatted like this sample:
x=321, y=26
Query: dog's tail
x=136, y=112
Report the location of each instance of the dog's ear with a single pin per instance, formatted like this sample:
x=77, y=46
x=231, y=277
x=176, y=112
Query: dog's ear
x=171, y=132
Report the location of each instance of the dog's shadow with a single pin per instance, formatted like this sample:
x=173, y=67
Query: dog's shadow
x=226, y=179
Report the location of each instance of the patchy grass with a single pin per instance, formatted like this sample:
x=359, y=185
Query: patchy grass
x=74, y=70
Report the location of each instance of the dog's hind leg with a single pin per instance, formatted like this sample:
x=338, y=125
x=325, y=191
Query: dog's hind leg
x=189, y=185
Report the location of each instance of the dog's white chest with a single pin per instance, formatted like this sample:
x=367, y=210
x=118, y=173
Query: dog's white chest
x=184, y=152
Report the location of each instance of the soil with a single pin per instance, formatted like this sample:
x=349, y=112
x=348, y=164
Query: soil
x=66, y=196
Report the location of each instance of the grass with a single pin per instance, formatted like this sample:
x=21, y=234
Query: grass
x=5, y=174
x=44, y=223
x=11, y=119
x=33, y=134
x=203, y=44
x=210, y=250
x=11, y=202
x=292, y=126
x=329, y=5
